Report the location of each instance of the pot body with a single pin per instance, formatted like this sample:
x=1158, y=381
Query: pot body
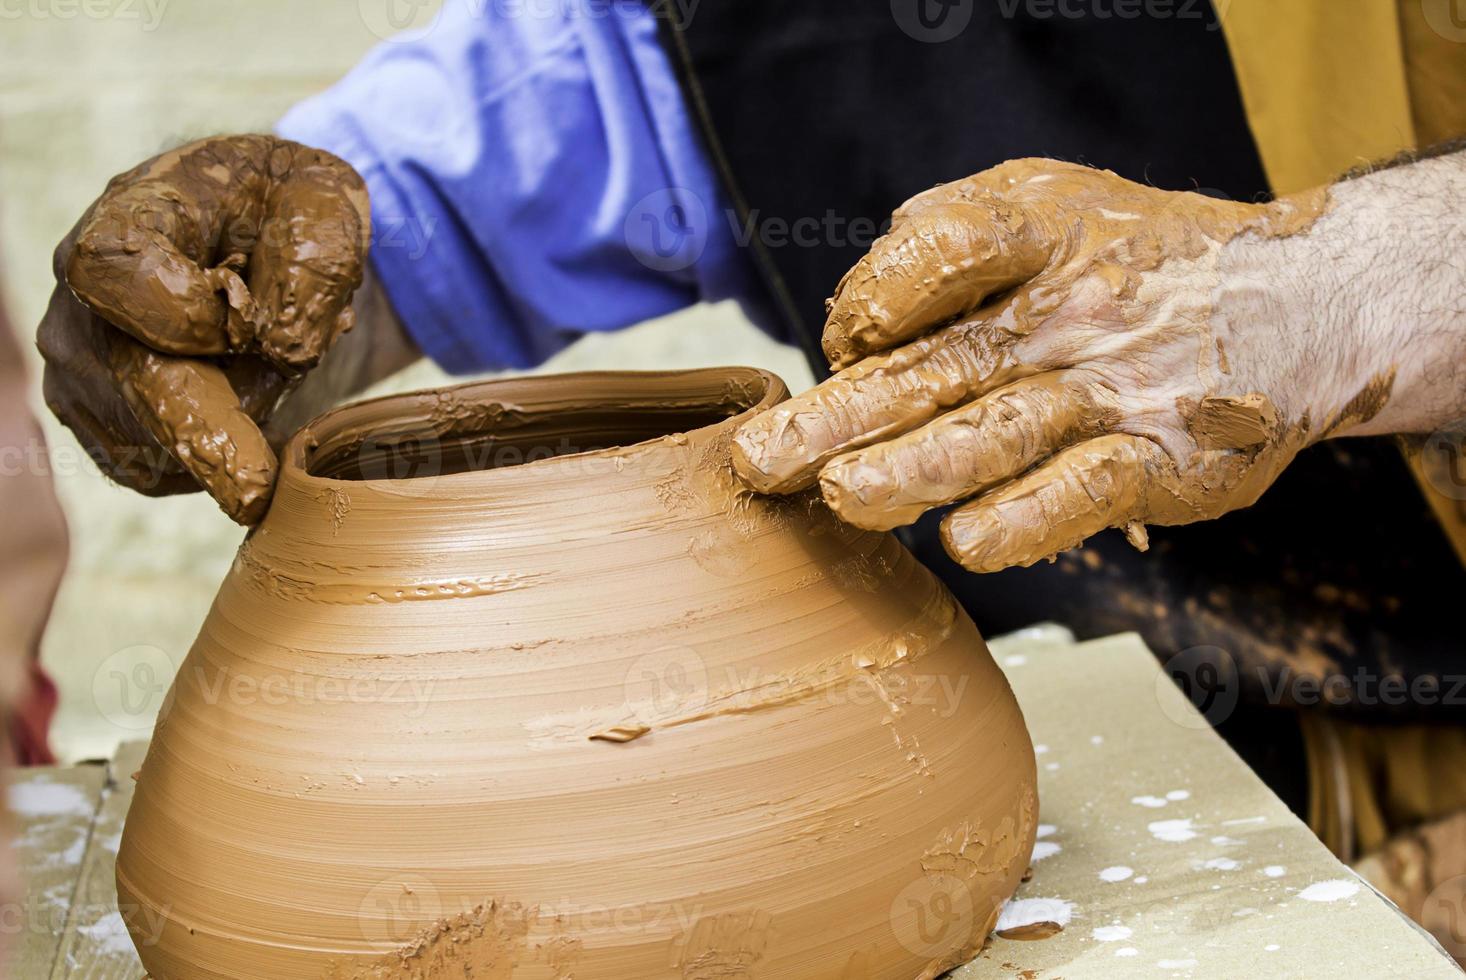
x=602, y=714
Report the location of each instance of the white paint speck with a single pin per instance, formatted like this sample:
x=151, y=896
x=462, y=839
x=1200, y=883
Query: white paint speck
x=1225, y=841
x=1111, y=934
x=1242, y=820
x=1052, y=767
x=1171, y=831
x=1153, y=802
x=1275, y=871
x=1221, y=864
x=1272, y=947
x=1040, y=749
x=34, y=799
x=1127, y=951
x=1020, y=912
x=1045, y=849
x=1096, y=740
x=1015, y=660
x=1045, y=830
x=1329, y=891
x=1117, y=873
x=1176, y=795
x=1141, y=880
x=108, y=934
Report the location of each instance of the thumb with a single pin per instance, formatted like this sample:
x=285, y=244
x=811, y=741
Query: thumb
x=189, y=406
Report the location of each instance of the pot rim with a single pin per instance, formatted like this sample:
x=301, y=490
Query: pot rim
x=537, y=395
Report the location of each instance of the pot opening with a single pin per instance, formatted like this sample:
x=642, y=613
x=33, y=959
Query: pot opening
x=494, y=425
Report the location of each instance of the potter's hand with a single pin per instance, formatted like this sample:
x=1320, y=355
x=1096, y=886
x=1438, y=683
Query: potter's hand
x=191, y=298
x=1105, y=355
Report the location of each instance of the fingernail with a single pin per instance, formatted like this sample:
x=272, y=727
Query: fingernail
x=976, y=540
x=767, y=454
x=863, y=494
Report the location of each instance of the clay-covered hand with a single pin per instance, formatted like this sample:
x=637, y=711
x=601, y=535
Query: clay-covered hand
x=1073, y=350
x=191, y=298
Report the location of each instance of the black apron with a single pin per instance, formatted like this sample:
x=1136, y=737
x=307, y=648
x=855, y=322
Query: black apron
x=823, y=115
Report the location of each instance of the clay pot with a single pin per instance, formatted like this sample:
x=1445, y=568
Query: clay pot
x=514, y=679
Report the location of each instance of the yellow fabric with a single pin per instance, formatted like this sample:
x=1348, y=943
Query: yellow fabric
x=1324, y=84
x=1369, y=782
x=1329, y=85
x=1434, y=37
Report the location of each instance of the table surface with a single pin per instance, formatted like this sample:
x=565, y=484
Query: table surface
x=1161, y=849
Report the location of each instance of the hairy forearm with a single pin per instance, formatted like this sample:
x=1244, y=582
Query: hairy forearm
x=1387, y=266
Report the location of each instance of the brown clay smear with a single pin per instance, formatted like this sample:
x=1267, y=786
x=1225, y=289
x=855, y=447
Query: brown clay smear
x=1233, y=422
x=671, y=772
x=1032, y=931
x=484, y=944
x=1365, y=405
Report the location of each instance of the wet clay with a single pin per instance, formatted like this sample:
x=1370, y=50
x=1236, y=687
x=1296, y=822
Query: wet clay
x=516, y=679
x=1065, y=282
x=1032, y=931
x=1231, y=422
x=960, y=244
x=228, y=267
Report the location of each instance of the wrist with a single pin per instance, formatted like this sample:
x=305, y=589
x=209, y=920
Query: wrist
x=1387, y=271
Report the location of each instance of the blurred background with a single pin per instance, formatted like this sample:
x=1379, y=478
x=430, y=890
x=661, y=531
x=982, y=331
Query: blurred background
x=88, y=90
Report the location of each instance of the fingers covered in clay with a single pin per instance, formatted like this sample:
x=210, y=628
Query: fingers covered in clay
x=194, y=294
x=1097, y=484
x=180, y=251
x=137, y=279
x=966, y=451
x=936, y=265
x=309, y=261
x=192, y=411
x=1093, y=305
x=883, y=396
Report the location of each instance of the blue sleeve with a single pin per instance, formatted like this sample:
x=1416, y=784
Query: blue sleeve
x=534, y=175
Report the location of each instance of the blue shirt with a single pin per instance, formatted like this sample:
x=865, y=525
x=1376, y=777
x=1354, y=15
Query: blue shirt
x=534, y=175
